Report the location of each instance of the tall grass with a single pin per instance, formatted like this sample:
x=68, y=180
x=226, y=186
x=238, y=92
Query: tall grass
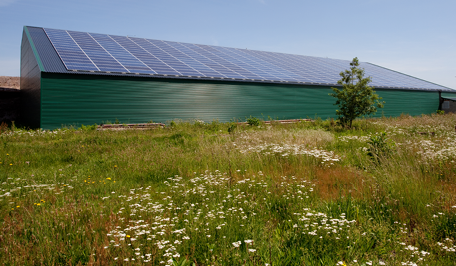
x=224, y=194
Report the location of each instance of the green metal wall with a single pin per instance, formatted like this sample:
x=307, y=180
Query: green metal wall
x=87, y=99
x=448, y=95
x=410, y=102
x=30, y=84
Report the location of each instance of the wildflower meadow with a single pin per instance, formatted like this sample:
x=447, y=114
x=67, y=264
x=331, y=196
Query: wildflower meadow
x=196, y=193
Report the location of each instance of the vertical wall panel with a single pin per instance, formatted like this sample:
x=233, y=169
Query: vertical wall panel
x=30, y=85
x=87, y=99
x=410, y=102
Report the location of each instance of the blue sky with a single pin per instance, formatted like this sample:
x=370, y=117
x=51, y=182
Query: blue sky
x=413, y=37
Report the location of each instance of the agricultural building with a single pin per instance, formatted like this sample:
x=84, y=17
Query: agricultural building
x=73, y=78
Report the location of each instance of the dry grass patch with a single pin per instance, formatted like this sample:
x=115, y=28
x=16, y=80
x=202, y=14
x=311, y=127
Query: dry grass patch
x=338, y=182
x=309, y=138
x=447, y=121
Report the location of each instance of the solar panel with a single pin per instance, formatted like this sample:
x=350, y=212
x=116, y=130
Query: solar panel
x=71, y=54
x=84, y=51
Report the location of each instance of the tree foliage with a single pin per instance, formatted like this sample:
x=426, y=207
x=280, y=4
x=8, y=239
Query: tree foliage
x=356, y=98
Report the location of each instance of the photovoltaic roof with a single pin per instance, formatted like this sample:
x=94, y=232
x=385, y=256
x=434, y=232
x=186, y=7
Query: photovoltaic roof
x=121, y=55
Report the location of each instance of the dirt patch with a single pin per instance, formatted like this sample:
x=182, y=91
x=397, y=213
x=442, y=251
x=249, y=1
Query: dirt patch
x=10, y=82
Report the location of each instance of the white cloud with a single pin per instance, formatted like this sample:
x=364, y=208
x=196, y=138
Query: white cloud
x=7, y=2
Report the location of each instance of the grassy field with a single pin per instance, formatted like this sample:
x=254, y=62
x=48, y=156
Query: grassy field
x=311, y=193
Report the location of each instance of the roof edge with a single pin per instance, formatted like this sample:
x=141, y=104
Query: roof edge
x=158, y=77
x=35, y=52
x=412, y=76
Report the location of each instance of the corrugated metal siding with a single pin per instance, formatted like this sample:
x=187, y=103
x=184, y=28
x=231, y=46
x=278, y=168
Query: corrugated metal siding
x=448, y=95
x=30, y=85
x=72, y=99
x=88, y=99
x=399, y=102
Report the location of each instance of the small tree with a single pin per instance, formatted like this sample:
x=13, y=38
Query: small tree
x=356, y=98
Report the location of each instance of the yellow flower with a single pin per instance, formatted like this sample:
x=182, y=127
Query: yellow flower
x=128, y=235
x=38, y=204
x=43, y=201
x=18, y=206
x=115, y=165
x=11, y=164
x=108, y=178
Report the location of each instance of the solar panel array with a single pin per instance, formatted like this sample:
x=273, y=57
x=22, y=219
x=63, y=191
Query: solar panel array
x=82, y=51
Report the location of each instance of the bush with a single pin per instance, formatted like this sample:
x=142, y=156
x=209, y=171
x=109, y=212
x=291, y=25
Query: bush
x=253, y=121
x=379, y=146
x=232, y=127
x=89, y=127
